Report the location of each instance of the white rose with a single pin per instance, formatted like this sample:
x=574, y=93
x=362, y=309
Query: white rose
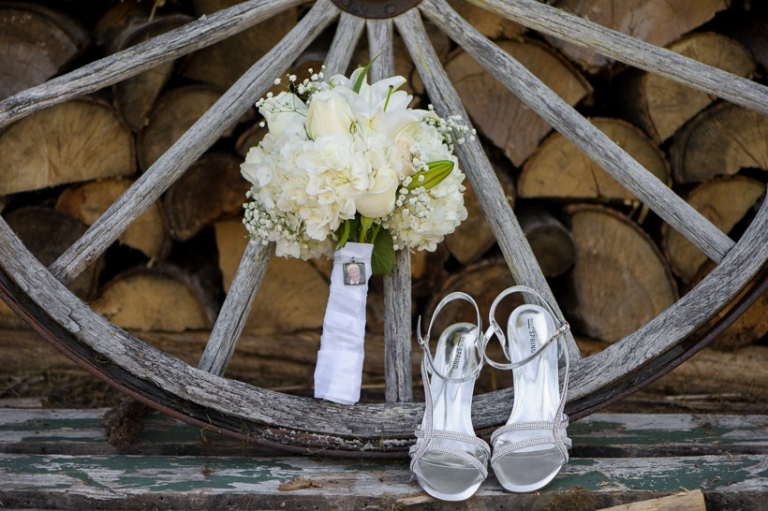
x=379, y=200
x=329, y=114
x=285, y=114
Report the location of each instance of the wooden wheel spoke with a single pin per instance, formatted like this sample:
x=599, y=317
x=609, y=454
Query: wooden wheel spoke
x=573, y=29
x=397, y=287
x=132, y=61
x=172, y=164
x=234, y=312
x=380, y=33
x=345, y=39
x=593, y=142
x=517, y=252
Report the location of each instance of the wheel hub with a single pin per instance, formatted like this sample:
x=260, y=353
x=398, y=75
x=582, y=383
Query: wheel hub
x=376, y=9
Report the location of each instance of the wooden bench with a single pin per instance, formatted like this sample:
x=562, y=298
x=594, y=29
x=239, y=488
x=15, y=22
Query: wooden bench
x=58, y=459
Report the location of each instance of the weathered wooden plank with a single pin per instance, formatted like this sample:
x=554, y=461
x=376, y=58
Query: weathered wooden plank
x=580, y=31
x=345, y=39
x=89, y=482
x=509, y=235
x=80, y=432
x=132, y=61
x=234, y=312
x=583, y=134
x=171, y=165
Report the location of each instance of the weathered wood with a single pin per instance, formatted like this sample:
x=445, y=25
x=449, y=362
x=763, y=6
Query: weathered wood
x=724, y=201
x=132, y=61
x=87, y=202
x=620, y=279
x=581, y=132
x=380, y=35
x=77, y=141
x=237, y=306
x=657, y=22
x=661, y=106
x=558, y=169
x=509, y=235
x=721, y=140
x=751, y=326
x=506, y=120
x=37, y=43
x=169, y=167
x=685, y=501
x=348, y=32
x=397, y=330
x=46, y=233
x=668, y=64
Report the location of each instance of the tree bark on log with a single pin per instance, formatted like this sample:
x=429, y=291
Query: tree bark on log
x=174, y=113
x=474, y=237
x=560, y=170
x=501, y=116
x=37, y=43
x=551, y=242
x=489, y=24
x=221, y=64
x=724, y=201
x=658, y=22
x=87, y=202
x=620, y=280
x=661, y=106
x=76, y=141
x=211, y=189
x=135, y=96
x=721, y=140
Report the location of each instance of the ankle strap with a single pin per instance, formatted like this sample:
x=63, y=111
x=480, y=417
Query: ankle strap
x=424, y=341
x=496, y=330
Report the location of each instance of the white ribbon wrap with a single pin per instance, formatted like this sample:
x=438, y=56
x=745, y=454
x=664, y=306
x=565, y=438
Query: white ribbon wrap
x=339, y=369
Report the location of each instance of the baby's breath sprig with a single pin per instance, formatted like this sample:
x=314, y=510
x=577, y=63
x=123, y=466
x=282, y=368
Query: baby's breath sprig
x=453, y=129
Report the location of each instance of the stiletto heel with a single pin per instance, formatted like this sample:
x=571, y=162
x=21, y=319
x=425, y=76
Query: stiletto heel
x=531, y=449
x=448, y=460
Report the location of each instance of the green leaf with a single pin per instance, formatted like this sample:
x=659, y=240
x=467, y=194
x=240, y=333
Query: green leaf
x=361, y=79
x=383, y=257
x=433, y=176
x=344, y=236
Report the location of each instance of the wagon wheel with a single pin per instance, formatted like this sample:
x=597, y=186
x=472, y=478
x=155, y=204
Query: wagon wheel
x=200, y=396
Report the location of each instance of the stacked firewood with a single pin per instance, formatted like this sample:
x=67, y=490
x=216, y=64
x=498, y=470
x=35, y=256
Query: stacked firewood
x=612, y=263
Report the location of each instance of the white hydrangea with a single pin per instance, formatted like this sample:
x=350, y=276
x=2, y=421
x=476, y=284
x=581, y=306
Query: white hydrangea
x=342, y=153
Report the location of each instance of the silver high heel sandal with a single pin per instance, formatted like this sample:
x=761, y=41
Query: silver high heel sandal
x=531, y=449
x=448, y=460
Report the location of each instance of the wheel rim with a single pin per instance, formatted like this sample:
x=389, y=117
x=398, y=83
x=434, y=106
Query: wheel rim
x=301, y=424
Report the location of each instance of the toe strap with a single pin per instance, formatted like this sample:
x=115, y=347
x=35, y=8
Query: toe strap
x=427, y=445
x=530, y=442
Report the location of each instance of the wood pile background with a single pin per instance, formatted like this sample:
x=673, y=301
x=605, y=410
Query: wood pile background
x=612, y=263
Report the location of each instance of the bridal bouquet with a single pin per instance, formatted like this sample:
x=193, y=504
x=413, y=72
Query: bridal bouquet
x=348, y=170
